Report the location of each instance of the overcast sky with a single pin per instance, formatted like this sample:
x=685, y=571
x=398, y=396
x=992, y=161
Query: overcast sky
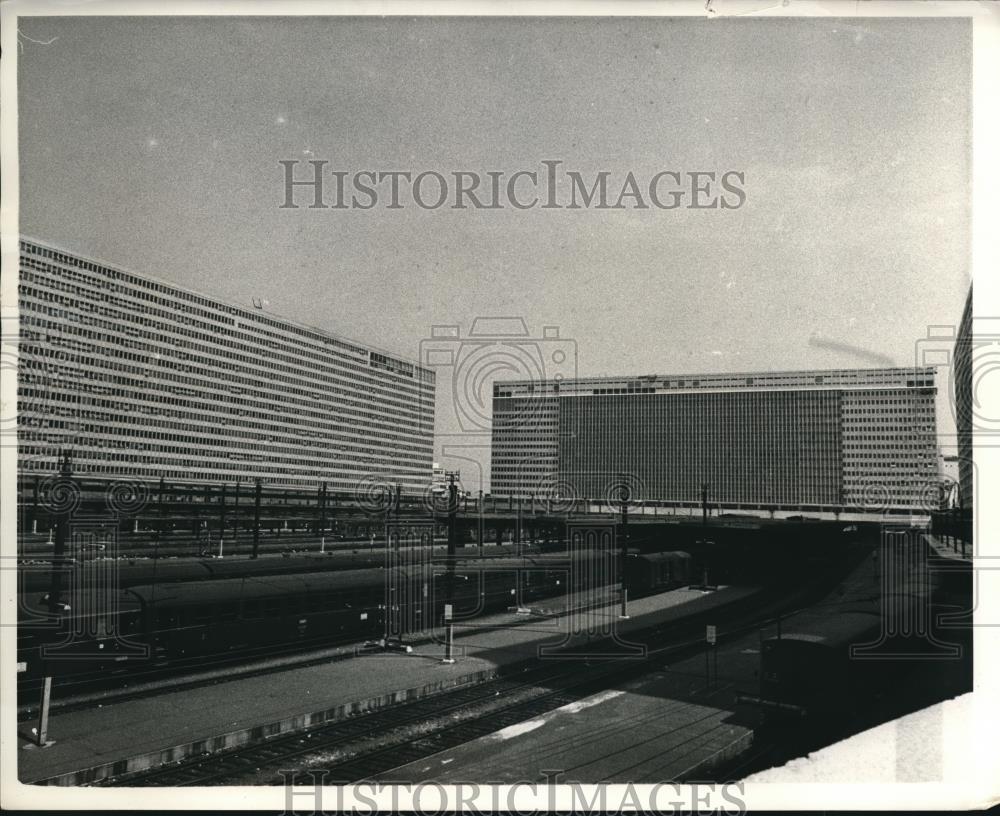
x=154, y=144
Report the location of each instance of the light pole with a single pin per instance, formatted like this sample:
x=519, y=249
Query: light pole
x=623, y=550
x=222, y=517
x=256, y=518
x=55, y=595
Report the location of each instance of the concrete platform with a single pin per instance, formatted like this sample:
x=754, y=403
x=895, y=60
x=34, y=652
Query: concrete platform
x=138, y=734
x=667, y=726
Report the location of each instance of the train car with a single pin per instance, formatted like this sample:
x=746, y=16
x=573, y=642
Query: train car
x=93, y=629
x=809, y=672
x=212, y=617
x=177, y=621
x=37, y=576
x=655, y=572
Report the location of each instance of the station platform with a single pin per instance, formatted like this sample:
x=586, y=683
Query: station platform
x=667, y=726
x=136, y=734
x=675, y=724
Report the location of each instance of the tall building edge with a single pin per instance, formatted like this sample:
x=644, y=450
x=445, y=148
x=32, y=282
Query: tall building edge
x=141, y=379
x=962, y=396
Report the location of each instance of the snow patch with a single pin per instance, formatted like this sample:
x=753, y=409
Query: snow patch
x=588, y=702
x=517, y=729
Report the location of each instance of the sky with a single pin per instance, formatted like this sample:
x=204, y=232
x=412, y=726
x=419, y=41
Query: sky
x=155, y=144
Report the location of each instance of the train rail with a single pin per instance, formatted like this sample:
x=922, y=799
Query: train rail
x=556, y=687
x=78, y=694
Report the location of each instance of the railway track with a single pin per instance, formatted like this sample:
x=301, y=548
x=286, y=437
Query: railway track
x=89, y=684
x=87, y=693
x=556, y=686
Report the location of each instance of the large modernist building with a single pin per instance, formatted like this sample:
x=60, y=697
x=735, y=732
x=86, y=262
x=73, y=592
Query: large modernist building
x=962, y=385
x=139, y=378
x=833, y=439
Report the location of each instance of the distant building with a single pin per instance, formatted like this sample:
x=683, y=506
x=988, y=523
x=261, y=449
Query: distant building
x=439, y=482
x=963, y=402
x=863, y=439
x=140, y=378
x=949, y=469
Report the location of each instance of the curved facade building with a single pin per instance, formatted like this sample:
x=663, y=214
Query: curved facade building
x=139, y=378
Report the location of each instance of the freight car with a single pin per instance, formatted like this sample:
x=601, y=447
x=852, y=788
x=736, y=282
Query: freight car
x=810, y=673
x=190, y=621
x=37, y=577
x=832, y=667
x=651, y=572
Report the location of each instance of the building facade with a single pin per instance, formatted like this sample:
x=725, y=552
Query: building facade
x=139, y=378
x=835, y=439
x=962, y=395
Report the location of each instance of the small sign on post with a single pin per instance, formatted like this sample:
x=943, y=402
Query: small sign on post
x=21, y=666
x=710, y=637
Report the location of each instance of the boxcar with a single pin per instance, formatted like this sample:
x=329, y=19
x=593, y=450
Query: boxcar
x=652, y=572
x=809, y=671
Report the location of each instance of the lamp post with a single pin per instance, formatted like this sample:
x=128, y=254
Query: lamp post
x=321, y=523
x=256, y=519
x=55, y=604
x=222, y=517
x=449, y=584
x=623, y=549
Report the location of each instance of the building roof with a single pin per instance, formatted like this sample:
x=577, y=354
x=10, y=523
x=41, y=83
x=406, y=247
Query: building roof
x=243, y=313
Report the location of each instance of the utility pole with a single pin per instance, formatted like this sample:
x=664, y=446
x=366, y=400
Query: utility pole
x=449, y=587
x=159, y=532
x=704, y=504
x=55, y=594
x=322, y=518
x=623, y=554
x=961, y=522
x=452, y=529
x=34, y=506
x=159, y=513
x=200, y=522
x=236, y=520
x=222, y=516
x=256, y=518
